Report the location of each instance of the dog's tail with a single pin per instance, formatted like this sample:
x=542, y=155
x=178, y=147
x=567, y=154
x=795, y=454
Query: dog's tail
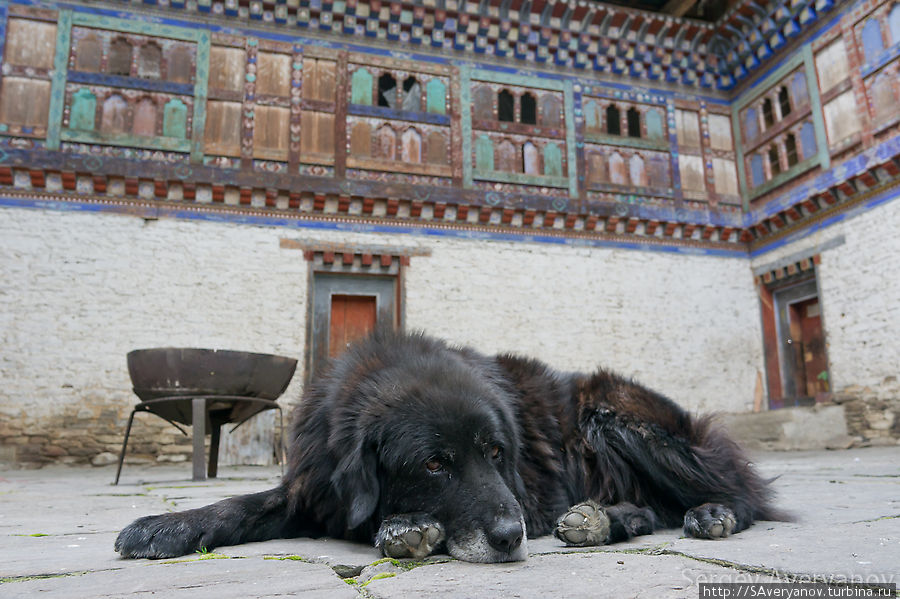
x=243, y=519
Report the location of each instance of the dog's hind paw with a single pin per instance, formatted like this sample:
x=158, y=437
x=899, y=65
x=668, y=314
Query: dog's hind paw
x=709, y=521
x=409, y=535
x=584, y=525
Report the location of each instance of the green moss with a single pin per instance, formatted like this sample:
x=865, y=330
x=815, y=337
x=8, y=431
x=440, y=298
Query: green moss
x=379, y=577
x=295, y=558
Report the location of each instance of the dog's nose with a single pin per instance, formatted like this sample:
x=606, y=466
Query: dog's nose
x=505, y=535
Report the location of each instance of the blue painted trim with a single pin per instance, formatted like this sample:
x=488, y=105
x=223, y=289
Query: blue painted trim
x=382, y=112
x=150, y=85
x=877, y=200
x=888, y=55
x=150, y=211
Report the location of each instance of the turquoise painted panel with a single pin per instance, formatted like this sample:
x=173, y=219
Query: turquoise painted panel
x=58, y=78
x=592, y=116
x=552, y=161
x=83, y=111
x=484, y=153
x=175, y=119
x=654, y=124
x=873, y=45
x=436, y=97
x=361, y=87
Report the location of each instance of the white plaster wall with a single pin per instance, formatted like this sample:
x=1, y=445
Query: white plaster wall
x=687, y=326
x=79, y=290
x=859, y=285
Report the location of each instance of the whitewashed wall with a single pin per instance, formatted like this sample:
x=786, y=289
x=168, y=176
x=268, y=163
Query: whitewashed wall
x=79, y=290
x=859, y=285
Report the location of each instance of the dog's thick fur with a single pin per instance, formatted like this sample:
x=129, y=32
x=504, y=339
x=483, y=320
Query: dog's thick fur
x=421, y=447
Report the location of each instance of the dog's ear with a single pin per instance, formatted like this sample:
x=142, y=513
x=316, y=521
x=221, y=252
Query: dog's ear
x=356, y=481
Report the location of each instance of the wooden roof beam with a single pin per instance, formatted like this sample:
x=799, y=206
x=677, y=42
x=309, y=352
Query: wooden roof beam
x=678, y=8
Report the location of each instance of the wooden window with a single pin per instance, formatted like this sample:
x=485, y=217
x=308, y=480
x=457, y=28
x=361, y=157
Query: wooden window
x=175, y=119
x=528, y=110
x=784, y=101
x=30, y=43
x=484, y=153
x=24, y=102
x=618, y=174
x=637, y=172
x=691, y=170
x=720, y=132
x=227, y=68
x=82, y=114
x=531, y=163
x=179, y=67
x=506, y=106
x=831, y=65
x=596, y=168
x=883, y=97
x=872, y=42
x=842, y=118
x=120, y=52
x=144, y=122
x=89, y=54
x=751, y=123
x=361, y=87
x=411, y=146
x=386, y=143
x=387, y=91
x=222, y=136
x=808, y=140
x=552, y=160
x=483, y=103
x=317, y=133
x=508, y=159
x=768, y=113
x=149, y=64
x=613, y=118
x=273, y=74
x=658, y=169
x=550, y=111
x=436, y=96
x=436, y=148
x=774, y=160
x=654, y=121
x=115, y=115
x=633, y=118
x=790, y=150
x=360, y=139
x=270, y=132
x=799, y=89
x=687, y=128
x=726, y=182
x=757, y=173
x=412, y=95
x=319, y=79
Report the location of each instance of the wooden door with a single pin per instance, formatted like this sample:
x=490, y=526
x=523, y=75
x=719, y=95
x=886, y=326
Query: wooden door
x=352, y=317
x=809, y=348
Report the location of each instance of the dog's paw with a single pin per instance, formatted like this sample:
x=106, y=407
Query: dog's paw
x=709, y=521
x=585, y=524
x=166, y=535
x=409, y=535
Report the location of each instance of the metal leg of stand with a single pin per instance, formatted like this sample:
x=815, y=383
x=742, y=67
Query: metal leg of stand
x=198, y=459
x=124, y=445
x=214, y=449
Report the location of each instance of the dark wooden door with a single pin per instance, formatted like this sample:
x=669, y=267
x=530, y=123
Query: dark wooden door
x=352, y=317
x=809, y=348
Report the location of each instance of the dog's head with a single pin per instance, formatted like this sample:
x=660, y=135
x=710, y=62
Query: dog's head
x=436, y=433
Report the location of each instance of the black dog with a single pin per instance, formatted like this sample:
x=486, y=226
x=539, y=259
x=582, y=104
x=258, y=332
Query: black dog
x=423, y=447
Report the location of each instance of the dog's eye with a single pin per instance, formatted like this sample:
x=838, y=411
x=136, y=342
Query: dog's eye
x=496, y=452
x=434, y=465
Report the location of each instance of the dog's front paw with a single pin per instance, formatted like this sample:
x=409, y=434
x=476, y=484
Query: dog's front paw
x=409, y=535
x=709, y=521
x=166, y=535
x=584, y=525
